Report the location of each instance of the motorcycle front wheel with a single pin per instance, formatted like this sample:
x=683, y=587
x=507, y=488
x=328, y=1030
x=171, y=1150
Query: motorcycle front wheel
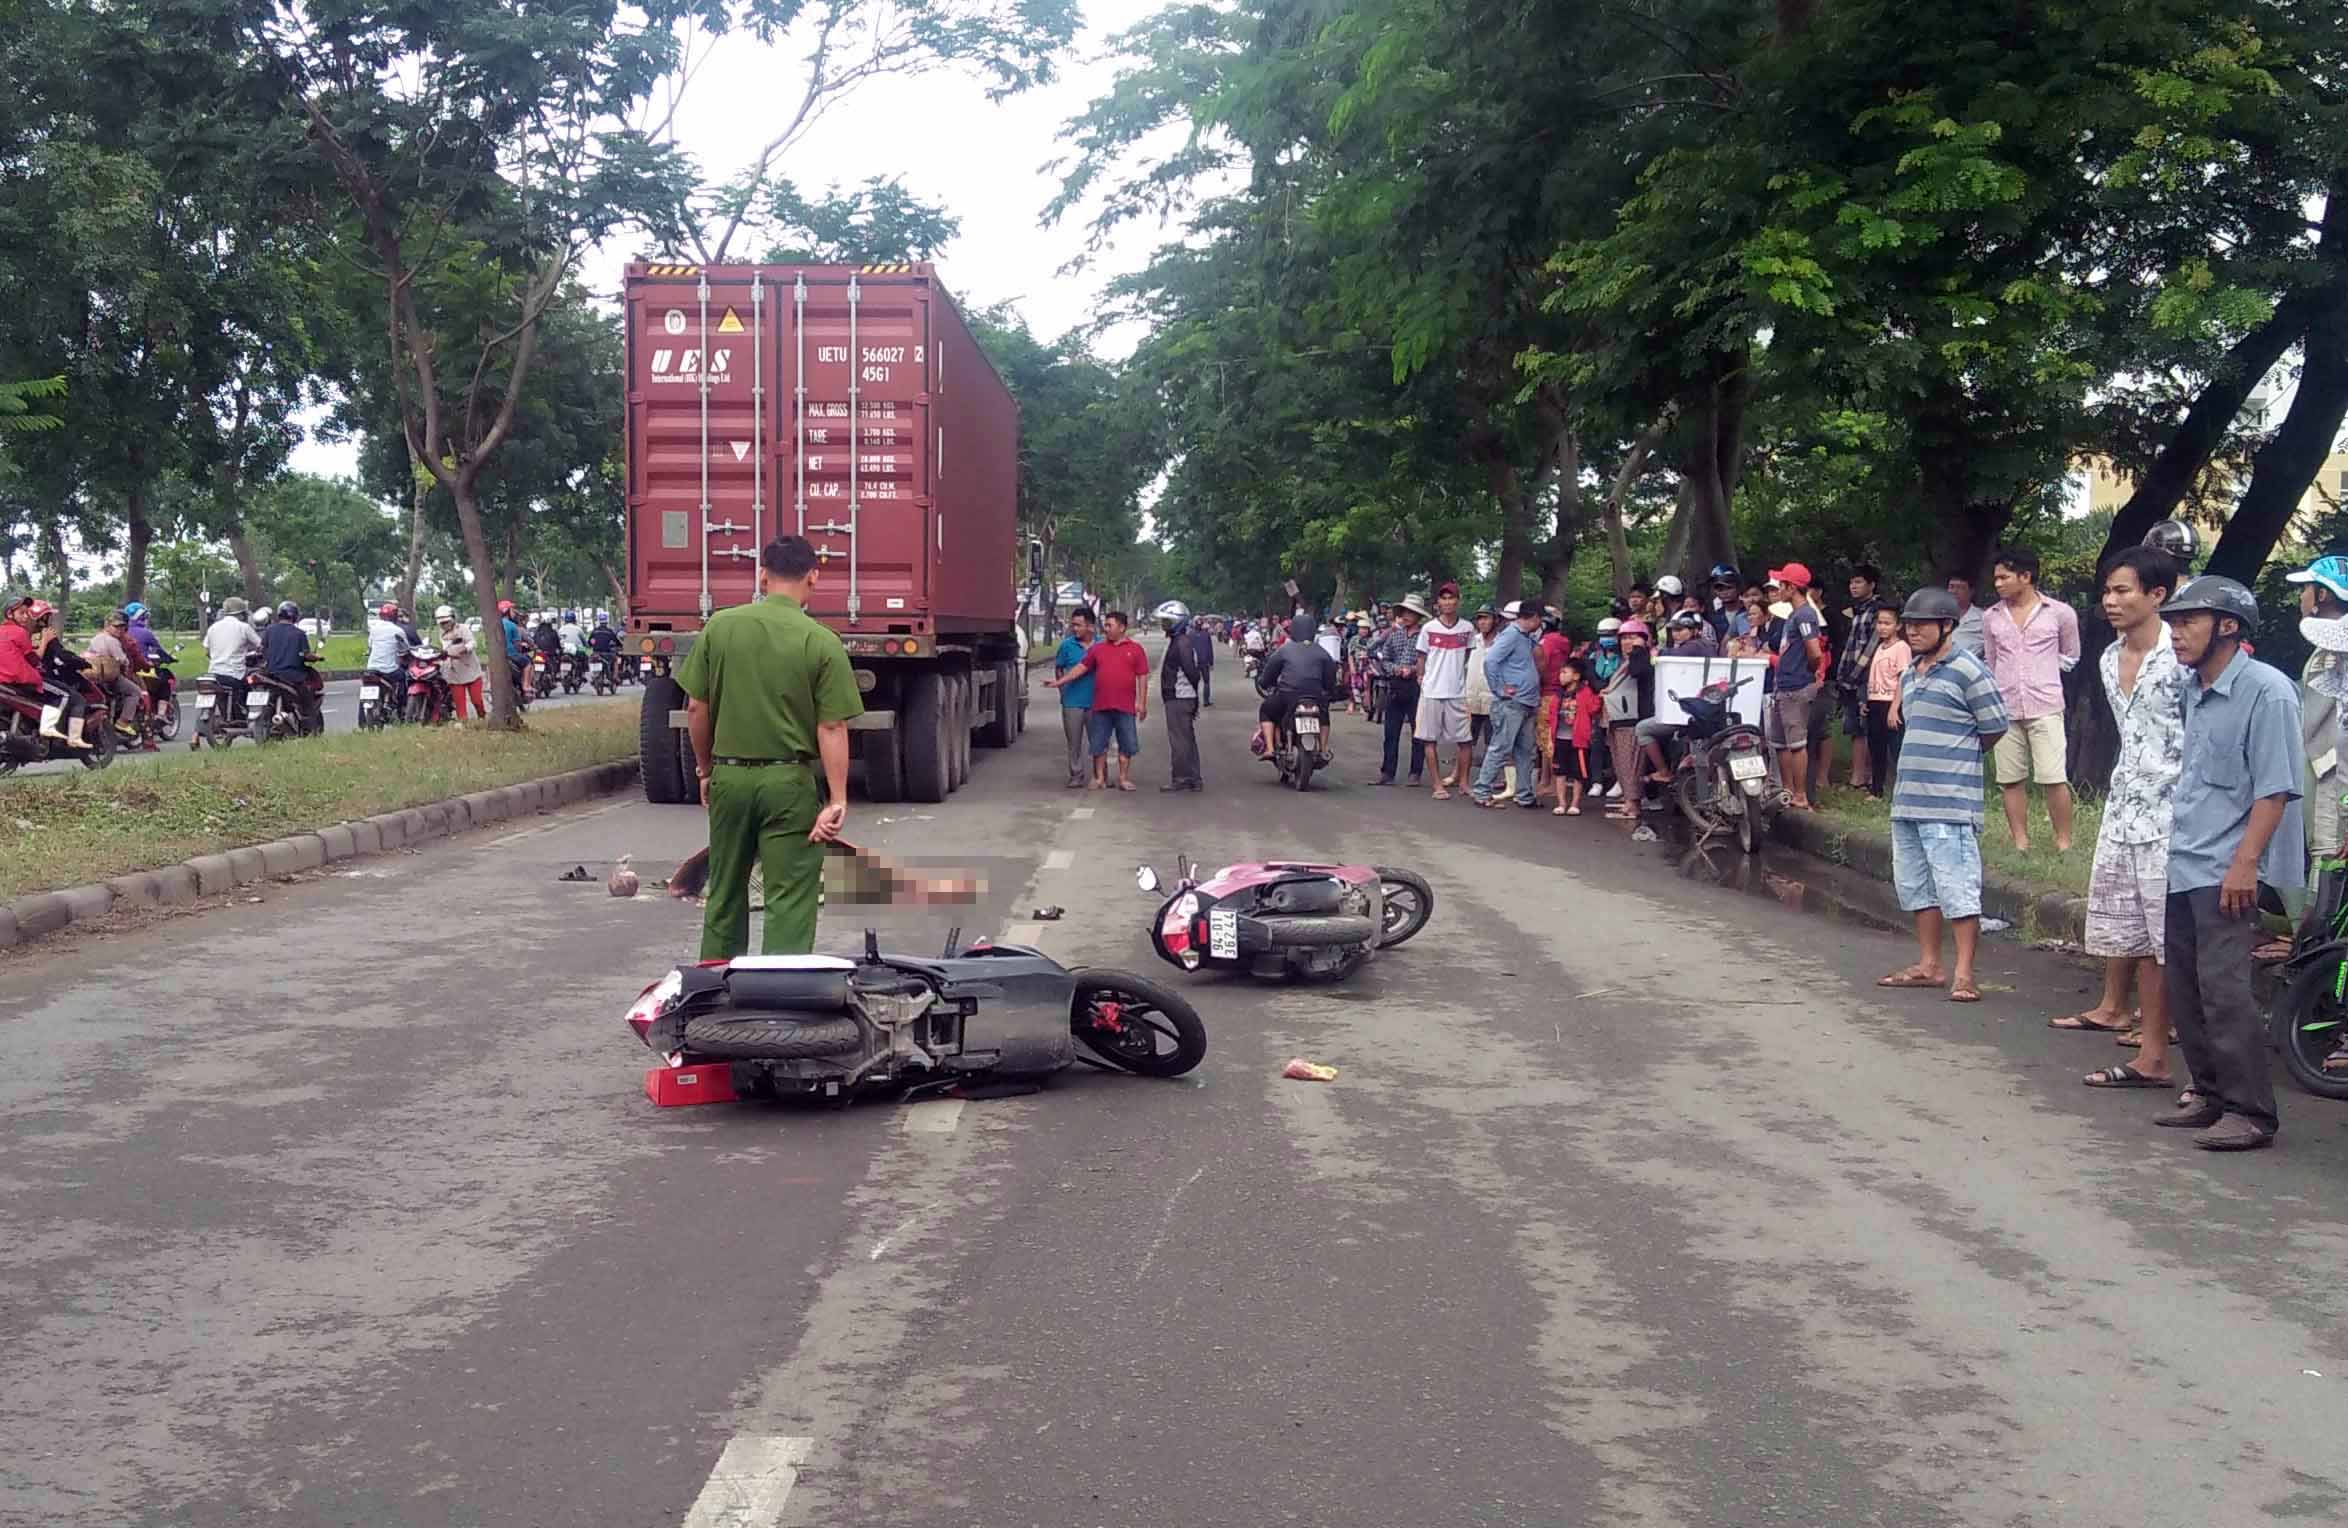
x=1409, y=903
x=1694, y=803
x=1135, y=1024
x=2311, y=1025
x=167, y=721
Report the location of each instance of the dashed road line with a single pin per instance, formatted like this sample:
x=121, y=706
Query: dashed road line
x=750, y=1483
x=935, y=1118
x=1059, y=859
x=1081, y=814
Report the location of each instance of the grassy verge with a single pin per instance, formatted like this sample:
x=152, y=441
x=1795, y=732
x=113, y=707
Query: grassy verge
x=2039, y=867
x=63, y=830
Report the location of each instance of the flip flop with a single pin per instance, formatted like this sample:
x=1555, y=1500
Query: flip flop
x=1909, y=978
x=1557, y=811
x=2082, y=1021
x=2125, y=1076
x=1967, y=994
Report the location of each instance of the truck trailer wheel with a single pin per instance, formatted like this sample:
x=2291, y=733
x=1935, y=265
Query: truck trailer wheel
x=666, y=752
x=924, y=729
x=884, y=764
x=964, y=690
x=1003, y=731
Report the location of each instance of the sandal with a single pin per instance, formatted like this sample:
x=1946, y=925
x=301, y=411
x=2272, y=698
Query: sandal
x=1557, y=811
x=1964, y=992
x=2125, y=1075
x=2082, y=1021
x=2272, y=951
x=1914, y=976
x=1441, y=794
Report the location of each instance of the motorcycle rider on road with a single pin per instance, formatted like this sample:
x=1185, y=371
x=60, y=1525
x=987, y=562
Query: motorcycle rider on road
x=387, y=651
x=1300, y=670
x=574, y=642
x=228, y=641
x=605, y=644
x=24, y=637
x=283, y=647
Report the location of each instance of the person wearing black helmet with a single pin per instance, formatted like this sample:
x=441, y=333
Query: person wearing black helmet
x=2236, y=821
x=1950, y=709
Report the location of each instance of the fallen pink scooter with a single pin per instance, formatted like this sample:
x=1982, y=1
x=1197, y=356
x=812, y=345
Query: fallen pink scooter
x=1285, y=918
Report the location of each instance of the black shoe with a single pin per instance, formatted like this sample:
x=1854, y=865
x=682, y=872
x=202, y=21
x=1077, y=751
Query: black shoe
x=1384, y=780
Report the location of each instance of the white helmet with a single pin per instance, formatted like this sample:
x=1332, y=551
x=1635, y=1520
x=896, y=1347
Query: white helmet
x=1669, y=584
x=1172, y=614
x=1609, y=626
x=445, y=613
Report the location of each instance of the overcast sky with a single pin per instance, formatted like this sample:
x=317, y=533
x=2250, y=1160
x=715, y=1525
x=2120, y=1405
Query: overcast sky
x=949, y=145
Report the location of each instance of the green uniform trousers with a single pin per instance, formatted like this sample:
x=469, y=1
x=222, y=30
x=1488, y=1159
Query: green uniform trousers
x=761, y=815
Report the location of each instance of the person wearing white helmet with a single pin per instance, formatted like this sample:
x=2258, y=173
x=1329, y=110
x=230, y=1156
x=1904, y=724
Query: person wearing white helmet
x=1178, y=687
x=459, y=664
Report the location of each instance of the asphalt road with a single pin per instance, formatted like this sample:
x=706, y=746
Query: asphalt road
x=1634, y=1203
x=342, y=715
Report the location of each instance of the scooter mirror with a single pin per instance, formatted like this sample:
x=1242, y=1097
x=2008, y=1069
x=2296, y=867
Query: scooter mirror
x=1145, y=878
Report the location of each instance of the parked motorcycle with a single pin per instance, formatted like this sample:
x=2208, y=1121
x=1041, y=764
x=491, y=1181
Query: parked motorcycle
x=1723, y=781
x=824, y=1026
x=428, y=700
x=21, y=716
x=1285, y=919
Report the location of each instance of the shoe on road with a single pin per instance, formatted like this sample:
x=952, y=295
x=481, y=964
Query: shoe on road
x=2191, y=1113
x=2234, y=1133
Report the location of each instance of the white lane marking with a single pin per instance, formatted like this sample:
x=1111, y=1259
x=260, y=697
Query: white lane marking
x=1022, y=933
x=1082, y=814
x=882, y=1245
x=933, y=1118
x=750, y=1483
x=1059, y=859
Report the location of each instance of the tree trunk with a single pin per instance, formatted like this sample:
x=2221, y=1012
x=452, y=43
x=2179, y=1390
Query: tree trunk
x=2204, y=426
x=1711, y=463
x=619, y=591
x=1634, y=467
x=2286, y=464
x=248, y=565
x=502, y=710
x=415, y=567
x=60, y=568
x=140, y=536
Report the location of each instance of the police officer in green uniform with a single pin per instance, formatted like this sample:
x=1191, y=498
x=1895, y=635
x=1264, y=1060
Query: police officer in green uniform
x=770, y=695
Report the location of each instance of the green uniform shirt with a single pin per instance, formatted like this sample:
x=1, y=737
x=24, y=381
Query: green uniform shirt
x=772, y=674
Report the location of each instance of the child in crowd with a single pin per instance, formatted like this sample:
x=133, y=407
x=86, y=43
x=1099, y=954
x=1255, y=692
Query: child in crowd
x=1578, y=711
x=1883, y=697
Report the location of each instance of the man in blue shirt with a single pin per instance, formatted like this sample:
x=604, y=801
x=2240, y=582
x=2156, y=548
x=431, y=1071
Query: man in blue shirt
x=1515, y=680
x=2236, y=821
x=1076, y=698
x=1950, y=707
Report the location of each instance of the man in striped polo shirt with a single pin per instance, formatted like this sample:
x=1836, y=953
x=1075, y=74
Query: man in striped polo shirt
x=1950, y=708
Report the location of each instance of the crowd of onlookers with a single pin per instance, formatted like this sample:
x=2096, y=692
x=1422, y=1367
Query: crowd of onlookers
x=1932, y=693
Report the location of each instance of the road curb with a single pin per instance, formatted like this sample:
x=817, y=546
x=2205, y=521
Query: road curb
x=2034, y=914
x=45, y=912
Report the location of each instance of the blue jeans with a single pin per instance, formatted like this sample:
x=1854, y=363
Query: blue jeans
x=1512, y=740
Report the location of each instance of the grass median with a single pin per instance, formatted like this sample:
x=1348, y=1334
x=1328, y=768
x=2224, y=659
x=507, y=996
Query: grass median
x=2038, y=867
x=65, y=830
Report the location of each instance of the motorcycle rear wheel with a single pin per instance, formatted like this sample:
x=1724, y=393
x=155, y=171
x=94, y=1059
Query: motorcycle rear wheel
x=1319, y=931
x=1306, y=762
x=1149, y=1029
x=1417, y=904
x=167, y=721
x=772, y=1039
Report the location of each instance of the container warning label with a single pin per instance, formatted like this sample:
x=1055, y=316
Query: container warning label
x=730, y=324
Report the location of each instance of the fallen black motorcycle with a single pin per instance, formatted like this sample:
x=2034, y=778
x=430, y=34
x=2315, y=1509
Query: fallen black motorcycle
x=823, y=1026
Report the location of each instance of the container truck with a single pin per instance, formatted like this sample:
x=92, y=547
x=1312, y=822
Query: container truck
x=850, y=405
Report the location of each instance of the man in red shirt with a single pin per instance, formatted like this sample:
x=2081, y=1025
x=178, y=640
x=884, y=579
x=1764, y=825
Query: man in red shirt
x=20, y=667
x=1120, y=698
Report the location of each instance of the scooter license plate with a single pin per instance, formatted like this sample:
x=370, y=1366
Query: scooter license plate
x=370, y=692
x=1308, y=726
x=1223, y=933
x=204, y=701
x=1747, y=766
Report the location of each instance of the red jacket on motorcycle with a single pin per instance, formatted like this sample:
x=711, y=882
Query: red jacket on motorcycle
x=16, y=656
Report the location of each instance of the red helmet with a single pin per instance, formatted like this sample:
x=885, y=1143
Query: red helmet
x=505, y=607
x=39, y=610
x=388, y=611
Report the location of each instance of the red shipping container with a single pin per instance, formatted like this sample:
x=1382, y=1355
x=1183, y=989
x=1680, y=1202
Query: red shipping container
x=702, y=1082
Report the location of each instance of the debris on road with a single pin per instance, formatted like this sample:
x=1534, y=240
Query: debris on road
x=623, y=882
x=575, y=873
x=1300, y=1070
x=1047, y=914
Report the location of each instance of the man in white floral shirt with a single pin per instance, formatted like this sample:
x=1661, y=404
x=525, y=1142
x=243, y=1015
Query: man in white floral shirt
x=2128, y=890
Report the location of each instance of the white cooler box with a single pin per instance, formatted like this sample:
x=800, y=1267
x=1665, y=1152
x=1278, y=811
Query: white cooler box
x=1685, y=676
